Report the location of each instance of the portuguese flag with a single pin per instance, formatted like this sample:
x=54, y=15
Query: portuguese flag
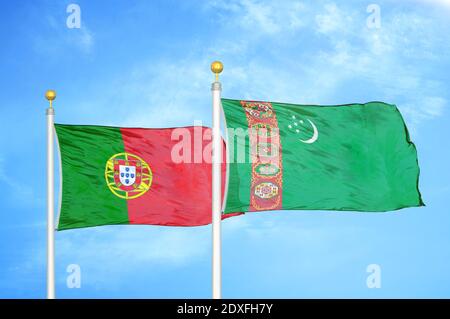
x=116, y=176
x=355, y=157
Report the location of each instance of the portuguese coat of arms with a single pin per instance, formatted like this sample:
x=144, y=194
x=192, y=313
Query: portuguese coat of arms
x=128, y=176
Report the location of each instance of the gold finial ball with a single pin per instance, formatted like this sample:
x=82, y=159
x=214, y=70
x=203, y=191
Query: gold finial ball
x=50, y=95
x=216, y=67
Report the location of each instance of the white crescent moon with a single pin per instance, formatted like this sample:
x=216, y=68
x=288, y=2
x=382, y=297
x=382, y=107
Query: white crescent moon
x=315, y=134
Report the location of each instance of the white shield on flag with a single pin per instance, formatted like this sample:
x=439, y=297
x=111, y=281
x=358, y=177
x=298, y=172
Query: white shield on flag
x=127, y=174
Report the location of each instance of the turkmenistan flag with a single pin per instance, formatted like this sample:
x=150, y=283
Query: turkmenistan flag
x=116, y=175
x=355, y=157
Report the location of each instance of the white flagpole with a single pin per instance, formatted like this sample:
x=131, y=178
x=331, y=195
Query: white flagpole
x=216, y=68
x=50, y=95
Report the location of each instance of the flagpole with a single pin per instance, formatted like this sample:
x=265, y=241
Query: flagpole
x=50, y=95
x=216, y=68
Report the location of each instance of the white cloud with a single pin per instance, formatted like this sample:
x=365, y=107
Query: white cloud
x=84, y=39
x=170, y=94
x=434, y=106
x=423, y=108
x=18, y=190
x=261, y=17
x=385, y=58
x=147, y=245
x=443, y=3
x=332, y=20
x=59, y=38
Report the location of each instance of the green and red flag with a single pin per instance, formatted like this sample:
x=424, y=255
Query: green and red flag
x=356, y=157
x=114, y=176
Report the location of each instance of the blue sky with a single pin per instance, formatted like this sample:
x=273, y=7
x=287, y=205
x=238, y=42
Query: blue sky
x=146, y=63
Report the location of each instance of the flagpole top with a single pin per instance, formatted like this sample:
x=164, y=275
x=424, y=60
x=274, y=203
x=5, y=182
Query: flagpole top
x=50, y=95
x=217, y=68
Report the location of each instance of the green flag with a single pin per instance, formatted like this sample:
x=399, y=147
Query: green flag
x=355, y=157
